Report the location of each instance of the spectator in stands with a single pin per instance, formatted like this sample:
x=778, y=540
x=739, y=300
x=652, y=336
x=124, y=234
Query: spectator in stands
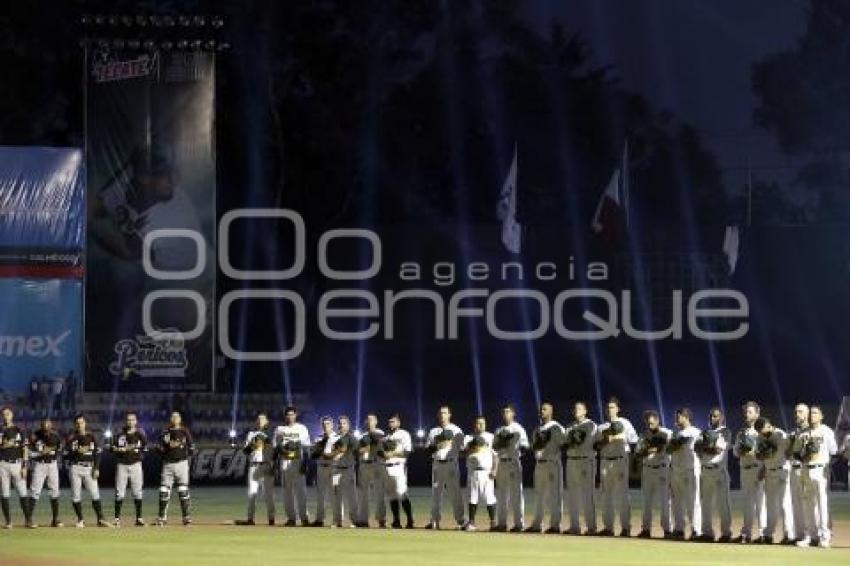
x=33, y=392
x=57, y=387
x=44, y=392
x=71, y=391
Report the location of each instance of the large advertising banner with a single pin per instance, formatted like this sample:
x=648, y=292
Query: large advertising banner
x=40, y=333
x=42, y=226
x=151, y=202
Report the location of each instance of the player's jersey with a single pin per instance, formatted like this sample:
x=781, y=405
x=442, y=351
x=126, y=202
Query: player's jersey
x=681, y=447
x=291, y=440
x=652, y=446
x=168, y=253
x=745, y=447
x=510, y=440
x=176, y=445
x=773, y=449
x=82, y=449
x=258, y=446
x=45, y=446
x=796, y=441
x=445, y=442
x=12, y=442
x=324, y=446
x=546, y=441
x=618, y=444
x=368, y=445
x=344, y=448
x=824, y=438
x=718, y=454
x=396, y=447
x=579, y=439
x=129, y=447
x=479, y=451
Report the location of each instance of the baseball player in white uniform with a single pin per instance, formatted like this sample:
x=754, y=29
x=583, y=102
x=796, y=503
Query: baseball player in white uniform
x=713, y=451
x=752, y=477
x=481, y=468
x=259, y=451
x=370, y=477
x=445, y=442
x=292, y=443
x=344, y=475
x=772, y=450
x=651, y=450
x=613, y=440
x=128, y=447
x=546, y=443
x=581, y=470
x=394, y=450
x=819, y=447
x=45, y=446
x=685, y=476
x=13, y=469
x=323, y=453
x=795, y=448
x=509, y=442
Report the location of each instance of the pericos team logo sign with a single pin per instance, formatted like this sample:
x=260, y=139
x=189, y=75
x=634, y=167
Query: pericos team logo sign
x=158, y=354
x=689, y=314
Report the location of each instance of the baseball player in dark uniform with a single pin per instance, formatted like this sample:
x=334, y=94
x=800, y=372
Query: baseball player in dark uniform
x=176, y=447
x=13, y=456
x=82, y=451
x=129, y=446
x=259, y=450
x=45, y=445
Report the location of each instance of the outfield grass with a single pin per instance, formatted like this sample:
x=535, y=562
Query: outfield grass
x=211, y=542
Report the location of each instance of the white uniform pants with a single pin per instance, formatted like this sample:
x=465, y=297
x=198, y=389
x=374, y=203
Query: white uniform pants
x=10, y=475
x=797, y=505
x=446, y=477
x=82, y=476
x=655, y=490
x=714, y=489
x=548, y=492
x=816, y=503
x=260, y=478
x=45, y=472
x=614, y=484
x=509, y=492
x=481, y=487
x=581, y=483
x=129, y=474
x=396, y=480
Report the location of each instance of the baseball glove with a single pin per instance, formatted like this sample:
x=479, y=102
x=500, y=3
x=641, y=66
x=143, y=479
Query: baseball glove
x=746, y=444
x=504, y=439
x=541, y=439
x=575, y=437
x=765, y=448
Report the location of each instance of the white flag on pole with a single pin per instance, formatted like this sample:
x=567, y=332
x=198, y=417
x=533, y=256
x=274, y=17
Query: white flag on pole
x=731, y=245
x=506, y=210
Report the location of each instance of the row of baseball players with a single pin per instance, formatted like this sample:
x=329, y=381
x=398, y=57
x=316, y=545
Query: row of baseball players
x=35, y=457
x=684, y=472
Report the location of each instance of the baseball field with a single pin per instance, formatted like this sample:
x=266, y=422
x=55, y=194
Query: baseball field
x=210, y=541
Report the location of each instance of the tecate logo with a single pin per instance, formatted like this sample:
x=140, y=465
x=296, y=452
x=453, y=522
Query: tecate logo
x=32, y=346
